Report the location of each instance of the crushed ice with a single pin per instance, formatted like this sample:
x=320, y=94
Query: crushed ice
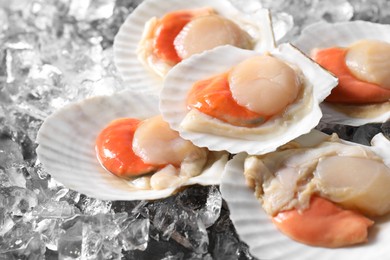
x=56, y=52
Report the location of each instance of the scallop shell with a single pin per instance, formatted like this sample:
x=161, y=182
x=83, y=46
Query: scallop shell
x=265, y=241
x=181, y=78
x=67, y=147
x=257, y=24
x=325, y=35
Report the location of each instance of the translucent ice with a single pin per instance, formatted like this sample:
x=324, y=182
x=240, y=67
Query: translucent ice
x=20, y=242
x=91, y=10
x=93, y=206
x=206, y=202
x=10, y=153
x=17, y=200
x=56, y=52
x=55, y=209
x=69, y=243
x=333, y=11
x=134, y=234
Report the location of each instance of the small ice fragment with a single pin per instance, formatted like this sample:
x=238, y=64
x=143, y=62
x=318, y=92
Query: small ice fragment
x=333, y=11
x=134, y=234
x=10, y=153
x=92, y=206
x=69, y=243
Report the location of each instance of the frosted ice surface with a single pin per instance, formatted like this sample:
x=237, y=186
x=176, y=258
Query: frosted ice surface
x=56, y=52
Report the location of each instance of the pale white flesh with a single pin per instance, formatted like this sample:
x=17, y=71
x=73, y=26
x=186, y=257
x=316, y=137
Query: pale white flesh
x=356, y=183
x=264, y=84
x=156, y=143
x=369, y=60
x=350, y=175
x=165, y=178
x=207, y=32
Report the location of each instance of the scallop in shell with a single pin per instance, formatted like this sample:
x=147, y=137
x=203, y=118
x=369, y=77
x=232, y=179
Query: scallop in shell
x=265, y=241
x=130, y=58
x=204, y=131
x=67, y=148
x=328, y=35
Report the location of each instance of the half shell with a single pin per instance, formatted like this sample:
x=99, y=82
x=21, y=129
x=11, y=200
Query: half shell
x=67, y=147
x=326, y=35
x=257, y=24
x=181, y=78
x=265, y=241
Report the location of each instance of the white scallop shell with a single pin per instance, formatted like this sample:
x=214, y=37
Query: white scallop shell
x=265, y=241
x=326, y=35
x=257, y=24
x=198, y=67
x=67, y=147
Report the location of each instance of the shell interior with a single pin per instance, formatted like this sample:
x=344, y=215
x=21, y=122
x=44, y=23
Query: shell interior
x=326, y=35
x=257, y=24
x=67, y=147
x=181, y=78
x=265, y=242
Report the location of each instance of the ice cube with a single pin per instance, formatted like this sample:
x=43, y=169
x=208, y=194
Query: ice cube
x=12, y=177
x=91, y=10
x=69, y=242
x=165, y=219
x=210, y=212
x=91, y=243
x=225, y=247
x=19, y=60
x=282, y=23
x=3, y=22
x=191, y=232
x=20, y=242
x=110, y=250
x=366, y=10
x=333, y=11
x=50, y=231
x=91, y=237
x=206, y=202
x=92, y=206
x=10, y=153
x=54, y=210
x=134, y=234
x=17, y=200
x=6, y=222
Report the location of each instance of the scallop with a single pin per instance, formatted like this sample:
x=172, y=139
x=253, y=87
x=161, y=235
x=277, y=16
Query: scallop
x=364, y=41
x=156, y=143
x=135, y=57
x=67, y=151
x=207, y=32
x=267, y=91
x=369, y=60
x=254, y=225
x=306, y=83
x=347, y=174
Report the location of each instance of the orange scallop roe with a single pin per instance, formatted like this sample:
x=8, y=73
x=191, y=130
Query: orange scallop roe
x=324, y=224
x=169, y=26
x=114, y=149
x=350, y=90
x=214, y=98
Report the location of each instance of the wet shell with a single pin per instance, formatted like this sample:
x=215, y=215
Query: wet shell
x=181, y=78
x=256, y=229
x=67, y=147
x=326, y=35
x=257, y=24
